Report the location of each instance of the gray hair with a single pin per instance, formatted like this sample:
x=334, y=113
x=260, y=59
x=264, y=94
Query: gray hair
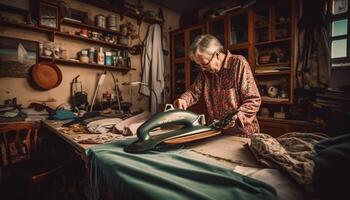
x=205, y=45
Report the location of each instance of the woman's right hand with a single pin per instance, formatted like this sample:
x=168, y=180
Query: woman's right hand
x=180, y=103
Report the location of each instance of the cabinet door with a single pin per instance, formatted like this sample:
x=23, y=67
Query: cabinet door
x=262, y=25
x=238, y=29
x=218, y=29
x=272, y=128
x=179, y=45
x=194, y=70
x=282, y=21
x=194, y=32
x=179, y=79
x=242, y=52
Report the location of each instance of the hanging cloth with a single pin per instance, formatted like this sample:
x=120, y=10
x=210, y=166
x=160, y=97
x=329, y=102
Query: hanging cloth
x=153, y=66
x=313, y=67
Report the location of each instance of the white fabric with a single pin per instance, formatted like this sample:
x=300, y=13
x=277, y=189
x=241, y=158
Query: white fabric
x=132, y=128
x=130, y=123
x=103, y=125
x=285, y=188
x=153, y=65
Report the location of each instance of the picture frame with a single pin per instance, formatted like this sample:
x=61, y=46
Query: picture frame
x=49, y=16
x=17, y=56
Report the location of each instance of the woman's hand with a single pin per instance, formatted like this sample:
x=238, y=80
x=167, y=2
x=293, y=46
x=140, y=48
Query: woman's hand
x=180, y=103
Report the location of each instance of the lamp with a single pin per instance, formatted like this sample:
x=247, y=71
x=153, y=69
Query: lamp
x=144, y=84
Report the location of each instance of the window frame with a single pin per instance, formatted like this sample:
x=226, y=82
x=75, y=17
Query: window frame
x=342, y=61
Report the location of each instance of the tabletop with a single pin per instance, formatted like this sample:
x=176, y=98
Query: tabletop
x=222, y=150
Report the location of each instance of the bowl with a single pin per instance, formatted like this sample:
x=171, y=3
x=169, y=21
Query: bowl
x=264, y=59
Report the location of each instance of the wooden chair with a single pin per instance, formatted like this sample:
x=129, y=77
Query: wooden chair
x=21, y=163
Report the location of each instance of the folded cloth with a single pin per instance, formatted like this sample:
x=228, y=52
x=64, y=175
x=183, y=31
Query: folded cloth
x=125, y=124
x=103, y=125
x=132, y=128
x=292, y=152
x=64, y=114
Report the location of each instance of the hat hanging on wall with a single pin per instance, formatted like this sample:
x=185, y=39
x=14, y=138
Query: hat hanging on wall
x=46, y=75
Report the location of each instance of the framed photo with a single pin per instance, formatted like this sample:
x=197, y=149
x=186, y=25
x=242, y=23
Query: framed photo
x=49, y=16
x=17, y=56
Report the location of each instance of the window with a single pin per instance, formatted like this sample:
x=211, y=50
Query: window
x=339, y=32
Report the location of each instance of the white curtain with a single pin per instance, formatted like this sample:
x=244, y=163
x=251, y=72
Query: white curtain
x=153, y=66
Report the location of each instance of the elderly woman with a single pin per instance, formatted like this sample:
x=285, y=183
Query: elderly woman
x=226, y=82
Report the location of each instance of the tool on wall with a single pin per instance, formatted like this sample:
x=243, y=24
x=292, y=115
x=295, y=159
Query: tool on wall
x=78, y=96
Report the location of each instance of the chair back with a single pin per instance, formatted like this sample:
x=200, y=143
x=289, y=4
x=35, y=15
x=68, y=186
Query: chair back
x=18, y=142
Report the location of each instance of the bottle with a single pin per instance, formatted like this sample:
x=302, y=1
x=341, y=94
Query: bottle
x=92, y=55
x=108, y=58
x=101, y=57
x=128, y=62
x=119, y=59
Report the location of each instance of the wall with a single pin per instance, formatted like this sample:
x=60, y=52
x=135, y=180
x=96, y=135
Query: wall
x=340, y=78
x=18, y=87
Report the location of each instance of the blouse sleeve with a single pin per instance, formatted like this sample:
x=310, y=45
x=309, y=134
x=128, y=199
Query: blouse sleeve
x=248, y=92
x=193, y=94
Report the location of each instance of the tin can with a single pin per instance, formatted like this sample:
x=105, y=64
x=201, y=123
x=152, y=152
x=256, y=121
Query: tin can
x=84, y=32
x=112, y=22
x=124, y=29
x=100, y=21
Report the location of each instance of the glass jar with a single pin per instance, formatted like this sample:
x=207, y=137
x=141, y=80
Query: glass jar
x=64, y=54
x=57, y=50
x=48, y=49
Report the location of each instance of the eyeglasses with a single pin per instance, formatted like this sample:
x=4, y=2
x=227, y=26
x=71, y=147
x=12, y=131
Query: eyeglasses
x=206, y=64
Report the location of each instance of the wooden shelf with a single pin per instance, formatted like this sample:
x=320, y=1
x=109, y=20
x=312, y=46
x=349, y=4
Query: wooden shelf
x=282, y=72
x=282, y=24
x=91, y=27
x=63, y=34
x=25, y=26
x=272, y=42
x=100, y=42
x=274, y=64
x=262, y=26
x=270, y=100
x=71, y=62
x=122, y=11
x=239, y=46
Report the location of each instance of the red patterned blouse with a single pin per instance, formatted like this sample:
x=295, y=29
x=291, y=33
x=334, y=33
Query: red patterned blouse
x=233, y=87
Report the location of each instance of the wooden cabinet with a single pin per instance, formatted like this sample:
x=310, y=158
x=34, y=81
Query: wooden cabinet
x=277, y=127
x=218, y=28
x=240, y=36
x=184, y=71
x=274, y=52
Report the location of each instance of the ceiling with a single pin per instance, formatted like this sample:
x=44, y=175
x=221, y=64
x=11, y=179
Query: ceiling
x=183, y=6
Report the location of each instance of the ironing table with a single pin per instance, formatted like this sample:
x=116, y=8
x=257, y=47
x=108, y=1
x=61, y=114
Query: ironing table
x=223, y=151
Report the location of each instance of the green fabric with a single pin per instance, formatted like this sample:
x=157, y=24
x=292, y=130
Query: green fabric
x=116, y=174
x=64, y=114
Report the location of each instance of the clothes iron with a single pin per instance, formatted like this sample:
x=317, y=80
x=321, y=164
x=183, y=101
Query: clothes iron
x=193, y=128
